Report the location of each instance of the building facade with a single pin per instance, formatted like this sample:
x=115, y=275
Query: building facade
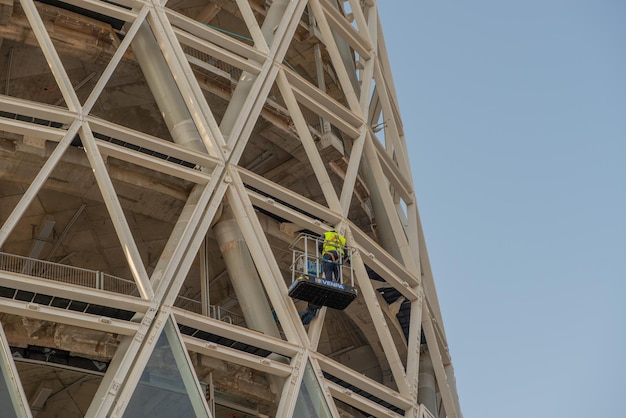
x=165, y=169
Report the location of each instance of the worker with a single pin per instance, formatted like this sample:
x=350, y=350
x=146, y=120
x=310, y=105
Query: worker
x=332, y=255
x=308, y=315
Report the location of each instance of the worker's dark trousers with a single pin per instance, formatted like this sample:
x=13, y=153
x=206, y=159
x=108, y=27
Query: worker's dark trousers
x=331, y=269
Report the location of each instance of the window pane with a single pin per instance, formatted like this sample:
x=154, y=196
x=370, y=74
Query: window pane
x=10, y=398
x=311, y=402
x=5, y=397
x=167, y=387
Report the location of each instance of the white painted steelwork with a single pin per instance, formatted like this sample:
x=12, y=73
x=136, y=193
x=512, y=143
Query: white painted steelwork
x=248, y=123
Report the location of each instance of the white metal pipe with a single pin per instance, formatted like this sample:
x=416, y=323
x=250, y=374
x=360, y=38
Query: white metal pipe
x=427, y=384
x=247, y=285
x=244, y=278
x=165, y=91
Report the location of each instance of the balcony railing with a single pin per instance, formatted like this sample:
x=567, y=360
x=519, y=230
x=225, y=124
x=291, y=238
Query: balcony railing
x=66, y=274
x=101, y=281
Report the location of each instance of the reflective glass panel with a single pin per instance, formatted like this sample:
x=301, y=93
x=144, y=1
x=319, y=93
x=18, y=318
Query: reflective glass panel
x=167, y=388
x=311, y=402
x=5, y=398
x=10, y=398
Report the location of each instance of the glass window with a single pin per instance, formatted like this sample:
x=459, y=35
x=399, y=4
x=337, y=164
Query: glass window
x=5, y=397
x=167, y=388
x=10, y=394
x=311, y=402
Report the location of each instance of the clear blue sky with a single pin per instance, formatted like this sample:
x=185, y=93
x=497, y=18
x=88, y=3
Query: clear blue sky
x=515, y=118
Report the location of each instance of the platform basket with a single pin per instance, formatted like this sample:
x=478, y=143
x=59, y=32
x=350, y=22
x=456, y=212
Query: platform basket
x=322, y=292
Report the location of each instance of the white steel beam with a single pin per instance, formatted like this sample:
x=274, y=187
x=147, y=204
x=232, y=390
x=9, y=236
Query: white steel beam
x=114, y=207
x=413, y=217
x=31, y=129
x=115, y=60
x=324, y=387
x=347, y=396
x=361, y=23
x=445, y=391
x=266, y=264
x=362, y=382
x=414, y=347
x=308, y=144
x=187, y=83
x=367, y=80
x=153, y=143
x=386, y=204
x=344, y=29
x=352, y=172
x=188, y=233
x=245, y=95
x=257, y=95
x=107, y=9
x=335, y=55
x=212, y=36
x=260, y=42
x=382, y=261
x=35, y=110
x=393, y=130
x=393, y=174
x=54, y=62
x=67, y=317
x=316, y=326
x=287, y=196
x=153, y=163
x=37, y=183
x=72, y=292
x=235, y=333
x=427, y=279
x=378, y=319
x=291, y=215
x=216, y=51
x=238, y=357
x=316, y=100
x=383, y=59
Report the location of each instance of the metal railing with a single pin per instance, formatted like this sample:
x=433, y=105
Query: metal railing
x=101, y=281
x=66, y=274
x=221, y=314
x=308, y=260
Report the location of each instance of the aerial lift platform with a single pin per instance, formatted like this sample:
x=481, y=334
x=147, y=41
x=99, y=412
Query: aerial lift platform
x=308, y=283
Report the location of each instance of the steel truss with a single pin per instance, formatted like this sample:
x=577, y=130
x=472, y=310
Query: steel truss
x=369, y=99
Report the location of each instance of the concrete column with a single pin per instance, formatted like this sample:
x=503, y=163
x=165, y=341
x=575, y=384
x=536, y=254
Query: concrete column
x=247, y=284
x=427, y=384
x=176, y=115
x=244, y=277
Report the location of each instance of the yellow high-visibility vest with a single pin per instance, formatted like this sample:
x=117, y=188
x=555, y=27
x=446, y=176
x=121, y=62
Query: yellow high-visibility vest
x=333, y=241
